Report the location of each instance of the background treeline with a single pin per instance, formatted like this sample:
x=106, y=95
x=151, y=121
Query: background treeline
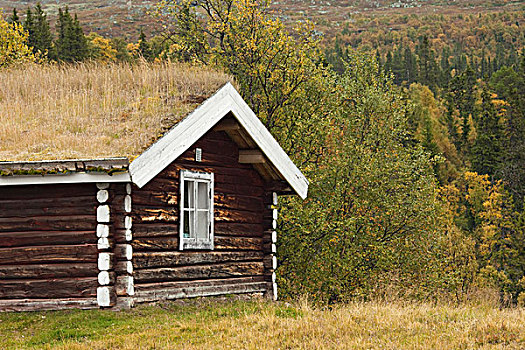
x=485, y=42
x=415, y=150
x=69, y=43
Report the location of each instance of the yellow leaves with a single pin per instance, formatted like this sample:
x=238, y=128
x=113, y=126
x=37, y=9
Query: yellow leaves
x=102, y=48
x=13, y=44
x=133, y=49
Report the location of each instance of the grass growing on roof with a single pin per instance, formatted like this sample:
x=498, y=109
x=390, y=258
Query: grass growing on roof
x=92, y=110
x=229, y=323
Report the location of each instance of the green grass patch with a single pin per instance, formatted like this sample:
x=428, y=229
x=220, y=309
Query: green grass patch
x=229, y=322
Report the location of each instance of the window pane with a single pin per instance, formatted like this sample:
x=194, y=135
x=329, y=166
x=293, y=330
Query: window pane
x=189, y=231
x=188, y=194
x=202, y=225
x=202, y=195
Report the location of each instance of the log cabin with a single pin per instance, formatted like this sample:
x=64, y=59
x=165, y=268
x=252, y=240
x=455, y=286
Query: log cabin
x=192, y=215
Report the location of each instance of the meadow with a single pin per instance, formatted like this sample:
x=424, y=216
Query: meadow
x=234, y=323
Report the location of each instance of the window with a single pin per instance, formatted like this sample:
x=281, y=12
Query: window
x=196, y=210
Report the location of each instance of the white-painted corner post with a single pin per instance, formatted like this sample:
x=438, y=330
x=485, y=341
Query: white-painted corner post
x=274, y=242
x=128, y=279
x=105, y=290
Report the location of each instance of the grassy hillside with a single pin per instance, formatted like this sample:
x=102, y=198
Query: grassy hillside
x=126, y=18
x=236, y=324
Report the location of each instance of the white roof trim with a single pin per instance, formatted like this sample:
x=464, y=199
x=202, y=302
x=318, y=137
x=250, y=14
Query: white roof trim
x=201, y=120
x=62, y=179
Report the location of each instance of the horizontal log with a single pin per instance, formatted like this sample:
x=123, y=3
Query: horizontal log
x=66, y=210
x=161, y=184
x=152, y=198
x=238, y=229
x=21, y=271
x=32, y=238
x=170, y=185
x=220, y=243
x=151, y=229
x=193, y=290
x=143, y=214
x=240, y=216
x=169, y=200
x=155, y=243
x=49, y=288
x=238, y=202
x=154, y=230
x=151, y=214
x=239, y=188
x=233, y=269
x=28, y=192
x=238, y=243
x=20, y=305
x=49, y=223
x=246, y=176
x=142, y=260
x=205, y=282
x=39, y=203
x=221, y=228
x=50, y=253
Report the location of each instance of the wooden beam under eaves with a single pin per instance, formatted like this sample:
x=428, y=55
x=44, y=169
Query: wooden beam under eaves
x=251, y=156
x=227, y=125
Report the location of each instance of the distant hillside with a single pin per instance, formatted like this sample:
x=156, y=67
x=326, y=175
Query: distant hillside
x=126, y=17
x=109, y=18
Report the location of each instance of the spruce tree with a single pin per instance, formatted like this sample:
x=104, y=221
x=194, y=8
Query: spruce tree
x=398, y=67
x=509, y=85
x=487, y=148
x=144, y=47
x=460, y=102
x=29, y=26
x=388, y=62
x=14, y=17
x=43, y=39
x=424, y=62
x=445, y=67
x=71, y=43
x=80, y=44
x=410, y=65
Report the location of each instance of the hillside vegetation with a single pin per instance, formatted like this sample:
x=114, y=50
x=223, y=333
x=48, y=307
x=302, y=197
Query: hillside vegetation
x=262, y=325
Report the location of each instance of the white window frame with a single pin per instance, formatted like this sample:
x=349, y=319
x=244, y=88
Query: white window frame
x=194, y=242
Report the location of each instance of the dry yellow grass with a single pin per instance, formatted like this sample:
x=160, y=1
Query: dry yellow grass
x=208, y=324
x=95, y=110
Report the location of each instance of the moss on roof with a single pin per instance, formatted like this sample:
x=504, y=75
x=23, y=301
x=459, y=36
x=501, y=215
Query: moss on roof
x=89, y=111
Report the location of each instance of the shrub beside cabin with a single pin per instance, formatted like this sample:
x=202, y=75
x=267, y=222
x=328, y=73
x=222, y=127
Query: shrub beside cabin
x=193, y=215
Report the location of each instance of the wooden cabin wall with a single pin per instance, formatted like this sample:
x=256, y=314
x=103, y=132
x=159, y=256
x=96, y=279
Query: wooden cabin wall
x=48, y=247
x=237, y=263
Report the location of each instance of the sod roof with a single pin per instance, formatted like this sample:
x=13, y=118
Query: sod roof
x=94, y=111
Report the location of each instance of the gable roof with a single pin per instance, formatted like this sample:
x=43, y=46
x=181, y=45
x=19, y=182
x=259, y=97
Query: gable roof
x=226, y=101
x=25, y=148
